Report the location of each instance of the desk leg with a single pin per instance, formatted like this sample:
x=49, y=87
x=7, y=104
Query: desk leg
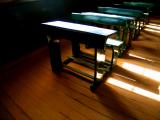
x=118, y=33
x=93, y=86
x=124, y=38
x=75, y=48
x=55, y=54
x=96, y=81
x=136, y=30
x=147, y=19
x=130, y=37
x=139, y=27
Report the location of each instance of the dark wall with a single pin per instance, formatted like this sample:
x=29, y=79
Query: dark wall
x=20, y=21
x=20, y=31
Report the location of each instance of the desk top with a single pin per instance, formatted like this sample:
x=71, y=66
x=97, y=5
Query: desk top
x=139, y=4
x=101, y=20
x=121, y=11
x=81, y=28
x=109, y=15
x=93, y=36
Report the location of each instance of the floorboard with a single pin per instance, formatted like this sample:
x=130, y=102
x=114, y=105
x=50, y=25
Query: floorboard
x=29, y=90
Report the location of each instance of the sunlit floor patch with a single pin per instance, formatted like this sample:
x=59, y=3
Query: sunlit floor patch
x=152, y=74
x=133, y=89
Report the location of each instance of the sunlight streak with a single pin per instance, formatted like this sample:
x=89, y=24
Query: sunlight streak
x=153, y=27
x=136, y=56
x=152, y=74
x=151, y=30
x=134, y=89
x=154, y=24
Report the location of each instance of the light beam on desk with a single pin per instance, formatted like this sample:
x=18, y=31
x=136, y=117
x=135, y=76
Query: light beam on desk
x=81, y=27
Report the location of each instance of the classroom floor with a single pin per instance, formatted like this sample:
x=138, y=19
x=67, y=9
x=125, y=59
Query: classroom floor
x=29, y=90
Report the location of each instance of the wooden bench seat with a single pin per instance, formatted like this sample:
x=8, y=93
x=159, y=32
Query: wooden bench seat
x=115, y=45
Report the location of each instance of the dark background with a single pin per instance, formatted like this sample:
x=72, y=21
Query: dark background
x=20, y=31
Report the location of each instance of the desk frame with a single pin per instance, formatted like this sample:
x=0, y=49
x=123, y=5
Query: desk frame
x=55, y=32
x=91, y=19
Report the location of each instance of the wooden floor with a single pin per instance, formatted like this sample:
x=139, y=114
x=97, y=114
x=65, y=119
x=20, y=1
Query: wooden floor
x=30, y=91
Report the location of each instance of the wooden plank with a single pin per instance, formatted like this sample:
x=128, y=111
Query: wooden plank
x=9, y=110
x=29, y=90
